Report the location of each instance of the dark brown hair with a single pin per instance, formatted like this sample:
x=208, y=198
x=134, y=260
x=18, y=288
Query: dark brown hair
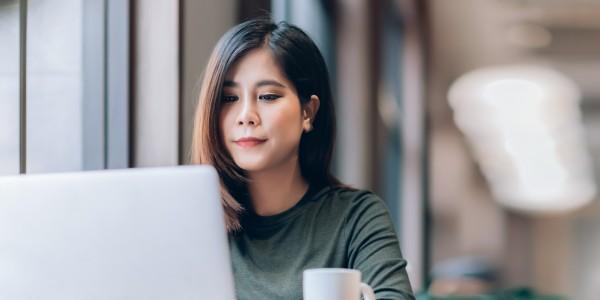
x=305, y=68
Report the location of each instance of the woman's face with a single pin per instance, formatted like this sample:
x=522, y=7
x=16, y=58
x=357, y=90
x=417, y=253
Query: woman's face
x=261, y=119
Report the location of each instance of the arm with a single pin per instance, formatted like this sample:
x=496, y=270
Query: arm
x=373, y=248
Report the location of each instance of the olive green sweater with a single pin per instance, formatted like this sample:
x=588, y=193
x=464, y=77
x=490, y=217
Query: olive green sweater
x=331, y=227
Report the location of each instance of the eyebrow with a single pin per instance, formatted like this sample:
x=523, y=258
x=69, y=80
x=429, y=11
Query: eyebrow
x=230, y=83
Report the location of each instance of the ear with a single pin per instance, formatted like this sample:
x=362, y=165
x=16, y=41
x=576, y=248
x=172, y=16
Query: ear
x=309, y=111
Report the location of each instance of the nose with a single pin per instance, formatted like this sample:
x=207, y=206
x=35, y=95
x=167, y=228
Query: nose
x=248, y=115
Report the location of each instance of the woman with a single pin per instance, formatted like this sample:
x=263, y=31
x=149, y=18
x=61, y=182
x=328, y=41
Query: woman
x=265, y=121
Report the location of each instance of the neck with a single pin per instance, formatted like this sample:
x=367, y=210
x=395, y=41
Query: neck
x=278, y=189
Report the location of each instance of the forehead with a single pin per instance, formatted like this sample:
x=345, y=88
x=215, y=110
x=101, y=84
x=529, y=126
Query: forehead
x=257, y=64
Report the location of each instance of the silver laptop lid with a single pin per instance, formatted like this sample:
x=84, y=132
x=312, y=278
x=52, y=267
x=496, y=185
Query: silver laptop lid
x=155, y=233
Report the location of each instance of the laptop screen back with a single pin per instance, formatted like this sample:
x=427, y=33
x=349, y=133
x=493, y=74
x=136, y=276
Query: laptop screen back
x=155, y=233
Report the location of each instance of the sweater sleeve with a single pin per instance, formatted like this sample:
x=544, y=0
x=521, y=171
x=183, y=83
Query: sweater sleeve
x=373, y=248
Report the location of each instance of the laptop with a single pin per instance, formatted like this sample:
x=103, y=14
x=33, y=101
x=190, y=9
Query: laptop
x=153, y=233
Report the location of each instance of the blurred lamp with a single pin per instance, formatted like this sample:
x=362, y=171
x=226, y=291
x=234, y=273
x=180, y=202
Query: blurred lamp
x=524, y=126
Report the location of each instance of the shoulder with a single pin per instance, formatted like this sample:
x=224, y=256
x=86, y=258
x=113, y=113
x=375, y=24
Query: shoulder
x=356, y=197
x=353, y=203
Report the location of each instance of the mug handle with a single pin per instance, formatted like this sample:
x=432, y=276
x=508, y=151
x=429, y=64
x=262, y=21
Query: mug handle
x=367, y=291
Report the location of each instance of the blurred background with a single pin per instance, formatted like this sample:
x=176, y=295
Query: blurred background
x=474, y=120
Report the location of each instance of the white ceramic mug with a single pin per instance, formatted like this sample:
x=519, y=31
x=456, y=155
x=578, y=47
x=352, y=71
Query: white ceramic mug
x=335, y=284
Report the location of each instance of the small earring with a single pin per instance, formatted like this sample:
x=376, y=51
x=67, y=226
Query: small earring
x=309, y=128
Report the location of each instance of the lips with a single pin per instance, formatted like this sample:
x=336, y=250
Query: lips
x=249, y=142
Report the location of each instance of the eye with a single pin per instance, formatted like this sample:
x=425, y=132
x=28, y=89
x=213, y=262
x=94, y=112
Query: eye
x=229, y=98
x=268, y=97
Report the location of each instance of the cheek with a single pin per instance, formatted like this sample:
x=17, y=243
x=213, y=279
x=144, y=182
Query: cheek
x=288, y=123
x=224, y=120
x=225, y=130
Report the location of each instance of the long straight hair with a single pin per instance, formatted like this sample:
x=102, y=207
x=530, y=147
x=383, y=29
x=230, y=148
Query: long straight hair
x=304, y=66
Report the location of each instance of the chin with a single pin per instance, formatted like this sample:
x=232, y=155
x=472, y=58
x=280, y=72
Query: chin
x=250, y=165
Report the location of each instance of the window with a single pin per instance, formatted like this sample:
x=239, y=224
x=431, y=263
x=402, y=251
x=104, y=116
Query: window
x=67, y=63
x=9, y=87
x=54, y=86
